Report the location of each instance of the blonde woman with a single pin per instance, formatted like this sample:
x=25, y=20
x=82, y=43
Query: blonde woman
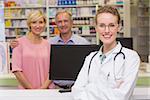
x=30, y=59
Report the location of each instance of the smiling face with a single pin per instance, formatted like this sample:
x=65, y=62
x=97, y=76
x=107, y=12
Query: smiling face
x=107, y=27
x=38, y=26
x=36, y=22
x=64, y=23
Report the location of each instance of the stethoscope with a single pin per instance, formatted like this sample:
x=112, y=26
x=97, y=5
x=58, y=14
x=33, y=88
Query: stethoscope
x=119, y=53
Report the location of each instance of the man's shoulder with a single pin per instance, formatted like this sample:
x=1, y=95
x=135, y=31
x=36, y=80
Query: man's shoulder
x=78, y=36
x=80, y=40
x=54, y=39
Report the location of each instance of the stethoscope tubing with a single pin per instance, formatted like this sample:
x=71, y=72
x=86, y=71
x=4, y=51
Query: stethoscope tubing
x=120, y=52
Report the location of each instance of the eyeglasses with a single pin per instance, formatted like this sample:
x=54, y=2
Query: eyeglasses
x=111, y=27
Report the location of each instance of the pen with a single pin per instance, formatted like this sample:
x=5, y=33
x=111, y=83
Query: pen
x=64, y=90
x=108, y=75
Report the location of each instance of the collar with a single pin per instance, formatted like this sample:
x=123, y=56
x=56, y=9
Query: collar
x=115, y=50
x=109, y=54
x=70, y=41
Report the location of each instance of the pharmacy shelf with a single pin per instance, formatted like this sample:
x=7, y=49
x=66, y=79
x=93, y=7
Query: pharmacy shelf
x=74, y=25
x=87, y=16
x=15, y=18
x=143, y=27
x=25, y=7
x=14, y=27
x=70, y=6
x=146, y=6
x=87, y=5
x=47, y=7
x=144, y=16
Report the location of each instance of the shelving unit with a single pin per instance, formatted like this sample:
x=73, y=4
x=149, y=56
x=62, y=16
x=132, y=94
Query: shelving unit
x=15, y=20
x=143, y=18
x=83, y=12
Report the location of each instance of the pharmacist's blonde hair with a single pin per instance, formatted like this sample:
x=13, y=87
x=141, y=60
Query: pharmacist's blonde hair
x=35, y=15
x=60, y=11
x=108, y=9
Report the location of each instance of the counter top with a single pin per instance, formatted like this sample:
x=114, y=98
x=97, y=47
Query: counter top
x=53, y=94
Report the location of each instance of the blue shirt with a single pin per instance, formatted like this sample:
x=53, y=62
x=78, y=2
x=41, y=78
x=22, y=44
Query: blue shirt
x=75, y=39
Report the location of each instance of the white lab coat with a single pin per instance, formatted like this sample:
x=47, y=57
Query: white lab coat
x=100, y=83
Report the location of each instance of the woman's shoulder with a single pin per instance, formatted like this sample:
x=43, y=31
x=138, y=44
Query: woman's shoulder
x=93, y=53
x=129, y=52
x=21, y=39
x=45, y=41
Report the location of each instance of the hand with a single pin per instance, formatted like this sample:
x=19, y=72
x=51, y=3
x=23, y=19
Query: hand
x=119, y=82
x=42, y=87
x=14, y=43
x=57, y=87
x=46, y=84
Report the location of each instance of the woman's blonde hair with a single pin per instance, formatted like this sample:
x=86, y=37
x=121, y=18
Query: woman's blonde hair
x=108, y=9
x=34, y=16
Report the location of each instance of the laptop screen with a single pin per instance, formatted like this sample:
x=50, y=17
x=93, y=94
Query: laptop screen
x=67, y=60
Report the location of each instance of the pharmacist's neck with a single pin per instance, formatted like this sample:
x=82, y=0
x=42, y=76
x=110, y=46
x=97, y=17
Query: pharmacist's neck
x=109, y=47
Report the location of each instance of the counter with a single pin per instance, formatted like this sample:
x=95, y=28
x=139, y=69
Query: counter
x=53, y=94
